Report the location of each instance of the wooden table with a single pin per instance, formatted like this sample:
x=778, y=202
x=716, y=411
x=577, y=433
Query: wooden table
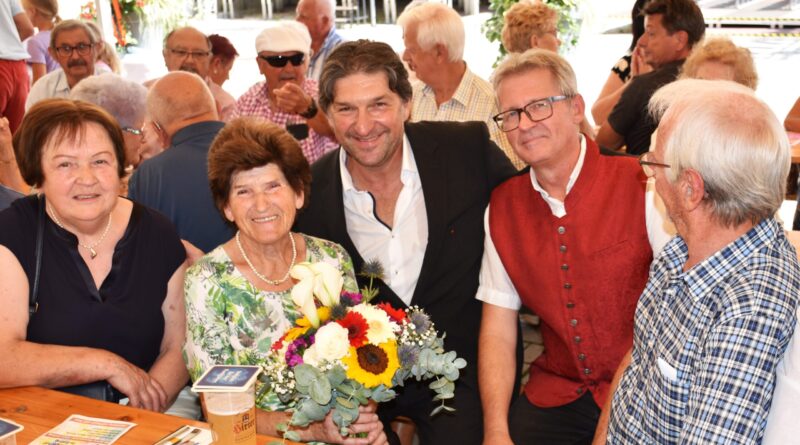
x=40, y=409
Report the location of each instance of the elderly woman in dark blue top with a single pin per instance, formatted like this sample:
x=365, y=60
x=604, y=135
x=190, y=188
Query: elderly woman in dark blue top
x=110, y=305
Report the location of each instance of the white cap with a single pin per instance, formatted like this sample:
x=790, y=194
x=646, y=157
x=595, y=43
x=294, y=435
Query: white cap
x=284, y=36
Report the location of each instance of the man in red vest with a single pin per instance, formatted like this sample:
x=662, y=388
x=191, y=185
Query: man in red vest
x=571, y=238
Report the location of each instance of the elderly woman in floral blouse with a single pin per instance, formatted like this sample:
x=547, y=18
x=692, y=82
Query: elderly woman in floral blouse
x=238, y=298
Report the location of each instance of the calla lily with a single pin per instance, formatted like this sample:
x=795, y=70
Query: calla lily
x=303, y=297
x=328, y=284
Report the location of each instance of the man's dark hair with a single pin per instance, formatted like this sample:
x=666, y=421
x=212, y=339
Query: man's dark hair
x=363, y=56
x=679, y=15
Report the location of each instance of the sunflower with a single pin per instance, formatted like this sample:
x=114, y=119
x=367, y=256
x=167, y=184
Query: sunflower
x=373, y=365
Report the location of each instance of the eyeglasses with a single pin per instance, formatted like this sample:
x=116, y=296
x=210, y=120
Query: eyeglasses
x=133, y=131
x=647, y=163
x=537, y=111
x=66, y=50
x=280, y=61
x=182, y=53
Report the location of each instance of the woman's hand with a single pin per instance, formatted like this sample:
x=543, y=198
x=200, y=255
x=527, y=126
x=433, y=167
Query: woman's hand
x=142, y=390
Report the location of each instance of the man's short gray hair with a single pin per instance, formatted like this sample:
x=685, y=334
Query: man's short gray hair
x=69, y=25
x=538, y=59
x=122, y=98
x=732, y=139
x=436, y=23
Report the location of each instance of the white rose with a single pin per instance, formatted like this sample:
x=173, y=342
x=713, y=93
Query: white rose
x=330, y=343
x=381, y=328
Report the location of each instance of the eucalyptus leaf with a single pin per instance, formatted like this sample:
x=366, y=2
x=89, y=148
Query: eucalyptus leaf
x=459, y=363
x=336, y=376
x=304, y=374
x=448, y=409
x=345, y=403
x=436, y=384
x=437, y=410
x=283, y=426
x=320, y=391
x=292, y=435
x=444, y=396
x=451, y=374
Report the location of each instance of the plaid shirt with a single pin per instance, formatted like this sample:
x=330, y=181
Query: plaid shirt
x=255, y=102
x=706, y=343
x=473, y=101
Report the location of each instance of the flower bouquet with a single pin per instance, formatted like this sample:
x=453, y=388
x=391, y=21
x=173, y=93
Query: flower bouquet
x=345, y=352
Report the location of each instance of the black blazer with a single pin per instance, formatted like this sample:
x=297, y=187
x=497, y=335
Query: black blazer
x=458, y=166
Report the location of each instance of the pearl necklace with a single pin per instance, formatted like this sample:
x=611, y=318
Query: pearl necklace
x=90, y=248
x=263, y=278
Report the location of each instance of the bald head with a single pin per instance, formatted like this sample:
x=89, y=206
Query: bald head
x=180, y=99
x=187, y=49
x=318, y=16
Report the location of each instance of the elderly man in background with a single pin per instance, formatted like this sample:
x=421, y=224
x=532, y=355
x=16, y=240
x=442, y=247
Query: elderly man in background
x=719, y=307
x=319, y=17
x=672, y=28
x=123, y=99
x=572, y=240
x=286, y=97
x=73, y=45
x=176, y=181
x=187, y=49
x=433, y=34
x=14, y=83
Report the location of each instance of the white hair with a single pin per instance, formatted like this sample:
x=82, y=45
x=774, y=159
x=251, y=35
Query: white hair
x=122, y=98
x=436, y=24
x=732, y=139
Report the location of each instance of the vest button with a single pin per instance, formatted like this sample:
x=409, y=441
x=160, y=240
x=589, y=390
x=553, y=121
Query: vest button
x=587, y=371
x=573, y=322
x=581, y=356
x=579, y=391
x=577, y=339
x=563, y=248
x=570, y=305
x=561, y=230
x=564, y=267
x=567, y=286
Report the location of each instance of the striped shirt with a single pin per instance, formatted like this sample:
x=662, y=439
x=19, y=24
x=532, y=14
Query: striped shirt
x=332, y=40
x=255, y=102
x=473, y=100
x=707, y=342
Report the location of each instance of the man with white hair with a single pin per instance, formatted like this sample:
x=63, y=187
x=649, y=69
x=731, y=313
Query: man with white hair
x=122, y=98
x=319, y=17
x=433, y=34
x=286, y=97
x=176, y=181
x=719, y=308
x=572, y=239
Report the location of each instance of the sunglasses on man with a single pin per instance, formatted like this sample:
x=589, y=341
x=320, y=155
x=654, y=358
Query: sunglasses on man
x=281, y=61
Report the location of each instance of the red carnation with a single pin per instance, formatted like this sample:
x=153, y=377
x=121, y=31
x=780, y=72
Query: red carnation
x=397, y=315
x=356, y=326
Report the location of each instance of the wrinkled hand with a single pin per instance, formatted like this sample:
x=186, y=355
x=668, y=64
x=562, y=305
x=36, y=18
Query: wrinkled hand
x=292, y=99
x=638, y=65
x=367, y=422
x=6, y=148
x=142, y=390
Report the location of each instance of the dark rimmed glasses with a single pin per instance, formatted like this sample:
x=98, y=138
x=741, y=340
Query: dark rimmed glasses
x=537, y=111
x=281, y=61
x=66, y=50
x=647, y=161
x=182, y=53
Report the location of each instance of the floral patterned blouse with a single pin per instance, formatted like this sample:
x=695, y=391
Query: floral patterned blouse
x=230, y=321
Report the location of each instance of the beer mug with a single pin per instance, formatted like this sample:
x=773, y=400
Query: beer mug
x=232, y=416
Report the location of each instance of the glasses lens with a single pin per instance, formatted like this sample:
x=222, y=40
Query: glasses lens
x=539, y=110
x=83, y=48
x=281, y=61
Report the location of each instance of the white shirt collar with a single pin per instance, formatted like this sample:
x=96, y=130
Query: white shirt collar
x=408, y=168
x=556, y=205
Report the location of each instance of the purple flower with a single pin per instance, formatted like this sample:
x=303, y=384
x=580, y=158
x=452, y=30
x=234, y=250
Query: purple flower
x=352, y=298
x=294, y=353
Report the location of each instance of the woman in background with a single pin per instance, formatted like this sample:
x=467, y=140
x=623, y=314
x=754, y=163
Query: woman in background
x=44, y=16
